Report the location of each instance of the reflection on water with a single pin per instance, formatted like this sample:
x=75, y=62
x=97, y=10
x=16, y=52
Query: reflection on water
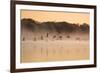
x=59, y=50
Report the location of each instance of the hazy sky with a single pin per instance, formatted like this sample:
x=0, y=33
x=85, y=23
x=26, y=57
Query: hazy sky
x=43, y=16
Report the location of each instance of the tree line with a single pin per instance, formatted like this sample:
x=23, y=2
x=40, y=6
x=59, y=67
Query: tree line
x=51, y=26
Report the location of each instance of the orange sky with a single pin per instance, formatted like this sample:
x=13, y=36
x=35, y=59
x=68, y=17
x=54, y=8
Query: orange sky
x=43, y=16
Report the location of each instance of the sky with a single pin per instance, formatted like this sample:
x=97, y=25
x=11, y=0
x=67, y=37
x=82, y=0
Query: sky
x=44, y=16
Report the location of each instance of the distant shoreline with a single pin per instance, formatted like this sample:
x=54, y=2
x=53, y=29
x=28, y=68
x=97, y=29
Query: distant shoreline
x=58, y=27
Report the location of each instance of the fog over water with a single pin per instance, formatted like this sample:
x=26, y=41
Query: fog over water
x=53, y=41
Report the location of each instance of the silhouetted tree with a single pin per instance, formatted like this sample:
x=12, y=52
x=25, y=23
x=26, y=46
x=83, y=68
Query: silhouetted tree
x=60, y=37
x=41, y=37
x=47, y=34
x=84, y=27
x=23, y=38
x=68, y=36
x=54, y=36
